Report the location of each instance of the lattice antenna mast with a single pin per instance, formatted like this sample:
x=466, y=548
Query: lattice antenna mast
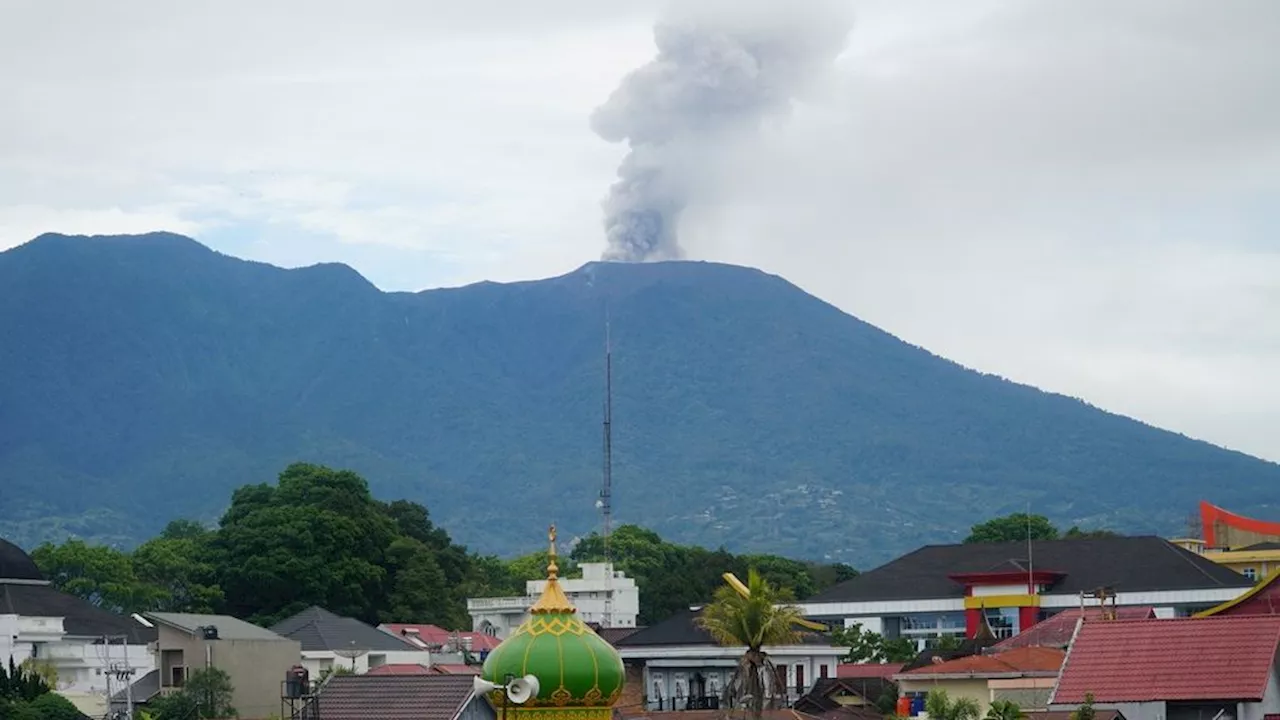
x=606, y=489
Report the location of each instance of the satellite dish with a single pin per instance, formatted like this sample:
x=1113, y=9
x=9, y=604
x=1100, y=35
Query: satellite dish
x=520, y=690
x=482, y=686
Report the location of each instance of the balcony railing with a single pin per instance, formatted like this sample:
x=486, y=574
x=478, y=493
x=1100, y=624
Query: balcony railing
x=520, y=602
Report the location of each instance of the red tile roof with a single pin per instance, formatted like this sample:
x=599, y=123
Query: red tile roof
x=436, y=635
x=447, y=669
x=868, y=670
x=400, y=669
x=1019, y=661
x=1056, y=631
x=394, y=697
x=1215, y=658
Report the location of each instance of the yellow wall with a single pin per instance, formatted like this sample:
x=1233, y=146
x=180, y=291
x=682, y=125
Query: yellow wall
x=975, y=689
x=1261, y=562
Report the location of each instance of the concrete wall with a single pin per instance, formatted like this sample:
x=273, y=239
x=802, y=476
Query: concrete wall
x=975, y=690
x=256, y=667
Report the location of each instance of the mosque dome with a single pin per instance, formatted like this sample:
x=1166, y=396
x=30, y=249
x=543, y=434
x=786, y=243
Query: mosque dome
x=16, y=564
x=575, y=667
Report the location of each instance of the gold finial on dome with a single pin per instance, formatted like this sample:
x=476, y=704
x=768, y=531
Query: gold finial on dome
x=553, y=599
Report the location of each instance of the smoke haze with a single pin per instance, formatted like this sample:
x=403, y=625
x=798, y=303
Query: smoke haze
x=721, y=70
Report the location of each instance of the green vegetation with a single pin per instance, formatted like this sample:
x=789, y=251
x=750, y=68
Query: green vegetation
x=1018, y=527
x=25, y=694
x=940, y=706
x=319, y=537
x=1005, y=710
x=147, y=377
x=866, y=646
x=206, y=694
x=753, y=621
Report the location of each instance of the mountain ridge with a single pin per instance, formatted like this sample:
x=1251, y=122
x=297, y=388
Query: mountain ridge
x=156, y=374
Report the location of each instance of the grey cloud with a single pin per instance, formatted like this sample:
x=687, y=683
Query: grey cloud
x=722, y=69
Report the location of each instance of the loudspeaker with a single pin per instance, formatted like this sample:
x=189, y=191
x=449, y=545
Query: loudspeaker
x=483, y=686
x=521, y=690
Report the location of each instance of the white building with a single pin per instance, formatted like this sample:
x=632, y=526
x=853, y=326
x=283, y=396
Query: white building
x=330, y=641
x=590, y=594
x=682, y=668
x=39, y=622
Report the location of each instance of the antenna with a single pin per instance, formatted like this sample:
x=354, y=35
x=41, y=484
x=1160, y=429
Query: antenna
x=1031, y=561
x=606, y=489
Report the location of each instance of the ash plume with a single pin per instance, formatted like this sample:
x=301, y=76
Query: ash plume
x=722, y=69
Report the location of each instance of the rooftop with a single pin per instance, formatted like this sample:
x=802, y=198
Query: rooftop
x=1263, y=599
x=15, y=564
x=229, y=628
x=1125, y=564
x=1057, y=630
x=1214, y=658
x=868, y=670
x=429, y=635
x=318, y=630
x=1022, y=661
x=394, y=697
x=80, y=617
x=681, y=629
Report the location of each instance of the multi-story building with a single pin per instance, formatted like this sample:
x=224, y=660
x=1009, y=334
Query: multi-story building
x=603, y=596
x=93, y=651
x=1250, y=547
x=942, y=590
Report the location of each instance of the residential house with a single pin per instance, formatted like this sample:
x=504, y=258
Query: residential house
x=603, y=596
x=1249, y=546
x=402, y=697
x=454, y=647
x=837, y=697
x=1024, y=675
x=330, y=641
x=953, y=590
x=1262, y=599
x=683, y=668
x=254, y=658
x=1179, y=669
x=92, y=650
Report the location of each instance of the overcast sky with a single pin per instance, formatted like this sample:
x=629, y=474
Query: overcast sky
x=1082, y=194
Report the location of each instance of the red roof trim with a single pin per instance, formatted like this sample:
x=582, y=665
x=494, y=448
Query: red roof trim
x=1211, y=515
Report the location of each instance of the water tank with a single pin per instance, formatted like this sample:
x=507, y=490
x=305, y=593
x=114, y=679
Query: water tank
x=210, y=632
x=297, y=682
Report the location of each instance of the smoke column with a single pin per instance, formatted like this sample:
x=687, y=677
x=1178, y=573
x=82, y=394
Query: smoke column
x=723, y=68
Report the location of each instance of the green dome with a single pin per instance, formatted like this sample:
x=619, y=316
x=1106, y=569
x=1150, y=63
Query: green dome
x=575, y=667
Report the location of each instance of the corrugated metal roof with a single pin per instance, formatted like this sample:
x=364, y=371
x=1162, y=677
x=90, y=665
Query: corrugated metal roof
x=229, y=628
x=395, y=697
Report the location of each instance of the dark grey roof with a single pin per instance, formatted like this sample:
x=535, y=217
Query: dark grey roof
x=16, y=564
x=1269, y=545
x=79, y=617
x=1125, y=564
x=142, y=690
x=397, y=697
x=681, y=629
x=229, y=628
x=318, y=629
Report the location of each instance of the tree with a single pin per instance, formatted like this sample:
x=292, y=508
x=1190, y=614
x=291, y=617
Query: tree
x=102, y=575
x=211, y=689
x=179, y=569
x=21, y=684
x=1075, y=533
x=752, y=622
x=52, y=706
x=1005, y=710
x=1085, y=711
x=1012, y=528
x=866, y=646
x=941, y=707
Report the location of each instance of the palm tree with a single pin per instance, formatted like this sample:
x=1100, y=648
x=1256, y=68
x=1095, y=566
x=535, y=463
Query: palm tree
x=753, y=620
x=941, y=707
x=1005, y=710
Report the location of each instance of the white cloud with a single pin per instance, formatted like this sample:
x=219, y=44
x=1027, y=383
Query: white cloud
x=1079, y=195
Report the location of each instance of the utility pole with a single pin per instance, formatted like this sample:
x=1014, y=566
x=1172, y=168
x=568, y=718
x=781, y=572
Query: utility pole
x=606, y=490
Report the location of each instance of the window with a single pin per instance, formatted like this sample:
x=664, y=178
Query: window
x=822, y=671
x=179, y=676
x=1251, y=573
x=800, y=679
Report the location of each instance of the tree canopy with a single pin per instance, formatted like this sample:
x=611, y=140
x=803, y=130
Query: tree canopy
x=1017, y=527
x=319, y=537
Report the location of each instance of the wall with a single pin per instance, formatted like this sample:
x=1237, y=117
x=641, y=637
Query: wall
x=1270, y=700
x=256, y=667
x=975, y=690
x=665, y=676
x=1028, y=693
x=478, y=709
x=318, y=661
